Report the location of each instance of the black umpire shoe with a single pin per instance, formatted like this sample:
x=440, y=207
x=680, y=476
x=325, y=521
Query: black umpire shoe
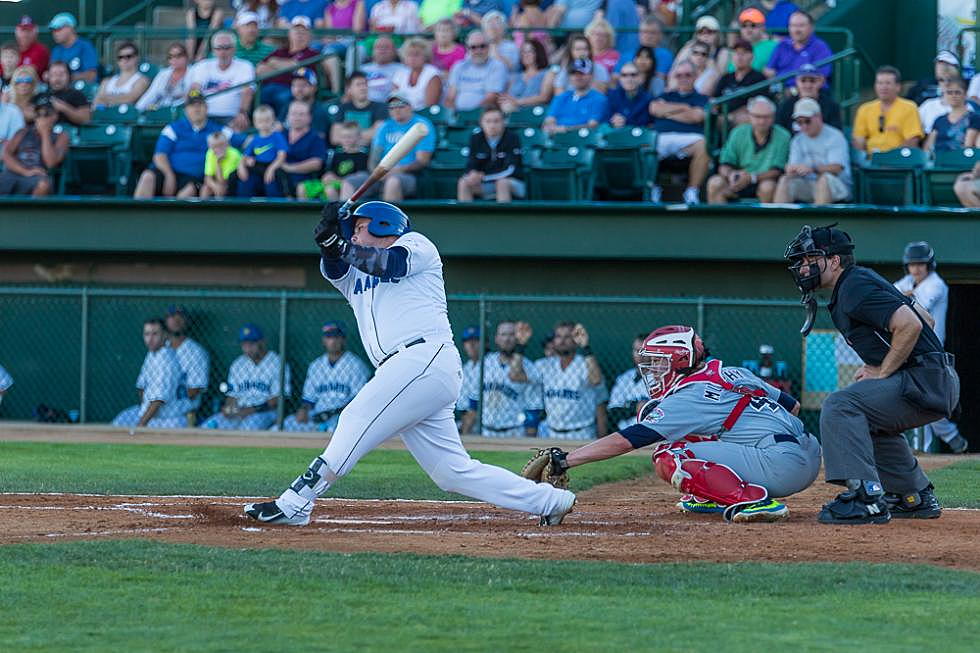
x=855, y=507
x=917, y=505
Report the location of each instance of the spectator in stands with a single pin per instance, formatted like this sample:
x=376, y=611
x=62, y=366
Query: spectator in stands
x=262, y=158
x=889, y=121
x=476, y=81
x=744, y=76
x=810, y=84
x=223, y=71
x=303, y=89
x=432, y=11
x=418, y=81
x=753, y=158
x=534, y=84
x=266, y=10
x=473, y=11
x=248, y=45
x=651, y=36
x=402, y=181
x=276, y=91
x=71, y=104
x=802, y=47
x=78, y=53
x=707, y=38
x=494, y=169
x=33, y=151
x=494, y=26
x=752, y=28
x=624, y=19
x=311, y=9
x=128, y=84
x=967, y=188
x=202, y=16
x=178, y=161
x=341, y=14
x=359, y=108
x=307, y=150
x=706, y=74
x=581, y=106
x=650, y=79
x=629, y=103
x=382, y=67
x=11, y=121
x=778, y=13
x=31, y=52
x=220, y=168
x=9, y=56
x=24, y=83
x=171, y=84
x=949, y=131
x=945, y=65
x=679, y=120
x=192, y=358
x=397, y=16
x=573, y=14
x=578, y=47
x=937, y=106
x=446, y=52
x=602, y=38
x=158, y=386
x=346, y=160
x=819, y=167
x=529, y=14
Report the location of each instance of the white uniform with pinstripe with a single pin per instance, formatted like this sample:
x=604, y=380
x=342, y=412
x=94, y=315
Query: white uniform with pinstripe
x=414, y=390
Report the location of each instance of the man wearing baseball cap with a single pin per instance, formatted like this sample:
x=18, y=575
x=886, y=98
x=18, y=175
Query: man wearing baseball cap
x=276, y=91
x=809, y=84
x=78, y=53
x=945, y=65
x=250, y=47
x=579, y=107
x=744, y=75
x=819, y=167
x=303, y=89
x=469, y=396
x=32, y=53
x=752, y=28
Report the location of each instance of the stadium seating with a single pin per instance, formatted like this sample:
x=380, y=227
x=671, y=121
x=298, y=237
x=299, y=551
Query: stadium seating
x=98, y=160
x=561, y=174
x=457, y=136
x=439, y=179
x=527, y=117
x=532, y=137
x=940, y=177
x=626, y=162
x=579, y=138
x=123, y=113
x=894, y=178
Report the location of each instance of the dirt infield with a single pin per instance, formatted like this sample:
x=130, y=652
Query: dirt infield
x=633, y=521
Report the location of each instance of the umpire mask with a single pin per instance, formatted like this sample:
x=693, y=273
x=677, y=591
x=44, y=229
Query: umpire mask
x=814, y=244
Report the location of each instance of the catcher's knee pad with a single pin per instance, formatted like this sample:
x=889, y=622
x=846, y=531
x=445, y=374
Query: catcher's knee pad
x=689, y=475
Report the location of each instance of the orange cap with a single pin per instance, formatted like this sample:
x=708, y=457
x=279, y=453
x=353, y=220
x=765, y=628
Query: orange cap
x=752, y=15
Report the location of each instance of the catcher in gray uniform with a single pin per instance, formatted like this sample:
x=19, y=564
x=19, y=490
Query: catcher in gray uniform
x=749, y=445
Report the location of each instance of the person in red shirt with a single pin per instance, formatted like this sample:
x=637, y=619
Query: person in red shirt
x=276, y=91
x=32, y=53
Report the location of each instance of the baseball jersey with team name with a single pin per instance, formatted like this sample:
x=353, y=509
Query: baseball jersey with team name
x=628, y=389
x=5, y=379
x=569, y=398
x=702, y=407
x=159, y=379
x=252, y=384
x=395, y=312
x=504, y=400
x=469, y=391
x=933, y=294
x=194, y=365
x=331, y=386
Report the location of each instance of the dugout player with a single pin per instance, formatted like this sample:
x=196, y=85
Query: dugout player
x=922, y=282
x=468, y=402
x=629, y=392
x=193, y=359
x=907, y=380
x=158, y=384
x=511, y=407
x=574, y=392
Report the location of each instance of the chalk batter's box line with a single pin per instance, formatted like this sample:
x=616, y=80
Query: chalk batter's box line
x=236, y=498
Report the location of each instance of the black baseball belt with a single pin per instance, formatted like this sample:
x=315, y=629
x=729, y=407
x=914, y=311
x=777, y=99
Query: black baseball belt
x=417, y=341
x=931, y=359
x=503, y=428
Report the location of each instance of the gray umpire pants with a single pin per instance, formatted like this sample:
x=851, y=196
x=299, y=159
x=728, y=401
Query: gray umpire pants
x=861, y=432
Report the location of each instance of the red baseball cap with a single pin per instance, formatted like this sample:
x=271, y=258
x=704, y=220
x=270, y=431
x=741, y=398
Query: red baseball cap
x=25, y=22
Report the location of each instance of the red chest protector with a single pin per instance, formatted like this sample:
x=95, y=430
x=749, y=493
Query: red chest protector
x=711, y=373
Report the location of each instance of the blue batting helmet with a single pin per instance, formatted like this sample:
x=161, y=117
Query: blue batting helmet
x=386, y=219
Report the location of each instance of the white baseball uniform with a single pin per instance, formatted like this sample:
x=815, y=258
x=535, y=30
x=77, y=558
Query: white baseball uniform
x=5, y=379
x=194, y=364
x=159, y=380
x=932, y=294
x=569, y=399
x=252, y=384
x=505, y=401
x=327, y=389
x=627, y=391
x=404, y=326
x=469, y=394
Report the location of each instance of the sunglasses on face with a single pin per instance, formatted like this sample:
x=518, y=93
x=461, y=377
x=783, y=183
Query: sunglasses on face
x=802, y=121
x=176, y=55
x=707, y=30
x=747, y=24
x=478, y=46
x=698, y=53
x=629, y=74
x=126, y=55
x=23, y=80
x=683, y=74
x=223, y=47
x=397, y=105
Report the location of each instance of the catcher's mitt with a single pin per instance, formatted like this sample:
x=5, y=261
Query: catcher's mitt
x=547, y=466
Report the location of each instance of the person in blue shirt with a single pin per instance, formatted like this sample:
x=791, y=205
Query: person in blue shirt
x=312, y=9
x=629, y=103
x=178, y=161
x=307, y=150
x=778, y=13
x=263, y=157
x=78, y=53
x=580, y=106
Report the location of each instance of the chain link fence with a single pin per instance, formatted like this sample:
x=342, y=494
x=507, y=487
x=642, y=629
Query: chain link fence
x=88, y=354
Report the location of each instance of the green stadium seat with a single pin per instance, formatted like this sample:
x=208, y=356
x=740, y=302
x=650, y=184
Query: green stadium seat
x=468, y=118
x=88, y=88
x=939, y=178
x=457, y=137
x=149, y=69
x=565, y=174
x=438, y=115
x=583, y=137
x=58, y=174
x=123, y=113
x=527, y=116
x=532, y=137
x=894, y=178
x=626, y=162
x=99, y=160
x=438, y=180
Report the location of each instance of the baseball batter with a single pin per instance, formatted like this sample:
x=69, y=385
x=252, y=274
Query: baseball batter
x=511, y=407
x=332, y=381
x=572, y=386
x=750, y=445
x=253, y=386
x=629, y=392
x=158, y=385
x=194, y=362
x=392, y=278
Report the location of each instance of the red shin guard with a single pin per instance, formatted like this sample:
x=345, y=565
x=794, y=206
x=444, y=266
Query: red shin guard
x=677, y=465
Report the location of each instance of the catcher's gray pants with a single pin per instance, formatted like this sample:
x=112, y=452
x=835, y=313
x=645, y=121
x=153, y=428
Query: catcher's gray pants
x=783, y=468
x=861, y=433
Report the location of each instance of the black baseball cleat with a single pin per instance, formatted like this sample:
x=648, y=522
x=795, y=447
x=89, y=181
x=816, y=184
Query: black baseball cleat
x=269, y=512
x=855, y=507
x=917, y=505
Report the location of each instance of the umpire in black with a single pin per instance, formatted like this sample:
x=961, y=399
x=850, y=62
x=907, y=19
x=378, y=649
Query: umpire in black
x=907, y=380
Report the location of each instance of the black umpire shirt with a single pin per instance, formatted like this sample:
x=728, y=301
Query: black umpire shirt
x=861, y=307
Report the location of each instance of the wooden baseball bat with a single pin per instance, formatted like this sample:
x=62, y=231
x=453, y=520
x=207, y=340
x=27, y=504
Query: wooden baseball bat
x=409, y=140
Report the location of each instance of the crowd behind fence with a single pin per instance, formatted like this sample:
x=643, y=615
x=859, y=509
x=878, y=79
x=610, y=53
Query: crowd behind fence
x=75, y=355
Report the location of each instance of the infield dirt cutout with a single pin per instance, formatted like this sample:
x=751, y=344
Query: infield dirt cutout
x=631, y=521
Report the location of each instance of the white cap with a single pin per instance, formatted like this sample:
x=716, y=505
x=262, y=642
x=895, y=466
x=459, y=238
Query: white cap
x=246, y=17
x=766, y=349
x=708, y=21
x=948, y=57
x=301, y=21
x=806, y=107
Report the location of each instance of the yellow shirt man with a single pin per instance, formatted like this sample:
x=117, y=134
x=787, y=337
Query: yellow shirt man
x=883, y=132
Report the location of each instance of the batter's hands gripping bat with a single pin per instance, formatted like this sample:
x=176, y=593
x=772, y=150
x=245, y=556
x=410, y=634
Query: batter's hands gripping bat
x=409, y=140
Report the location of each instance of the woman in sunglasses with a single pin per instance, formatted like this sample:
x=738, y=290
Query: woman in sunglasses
x=127, y=85
x=23, y=84
x=707, y=38
x=171, y=84
x=958, y=128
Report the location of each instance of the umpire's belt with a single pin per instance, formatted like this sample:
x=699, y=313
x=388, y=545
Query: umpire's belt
x=931, y=359
x=417, y=341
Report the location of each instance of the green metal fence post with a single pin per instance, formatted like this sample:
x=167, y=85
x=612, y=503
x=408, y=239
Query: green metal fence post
x=700, y=328
x=281, y=404
x=483, y=350
x=83, y=362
